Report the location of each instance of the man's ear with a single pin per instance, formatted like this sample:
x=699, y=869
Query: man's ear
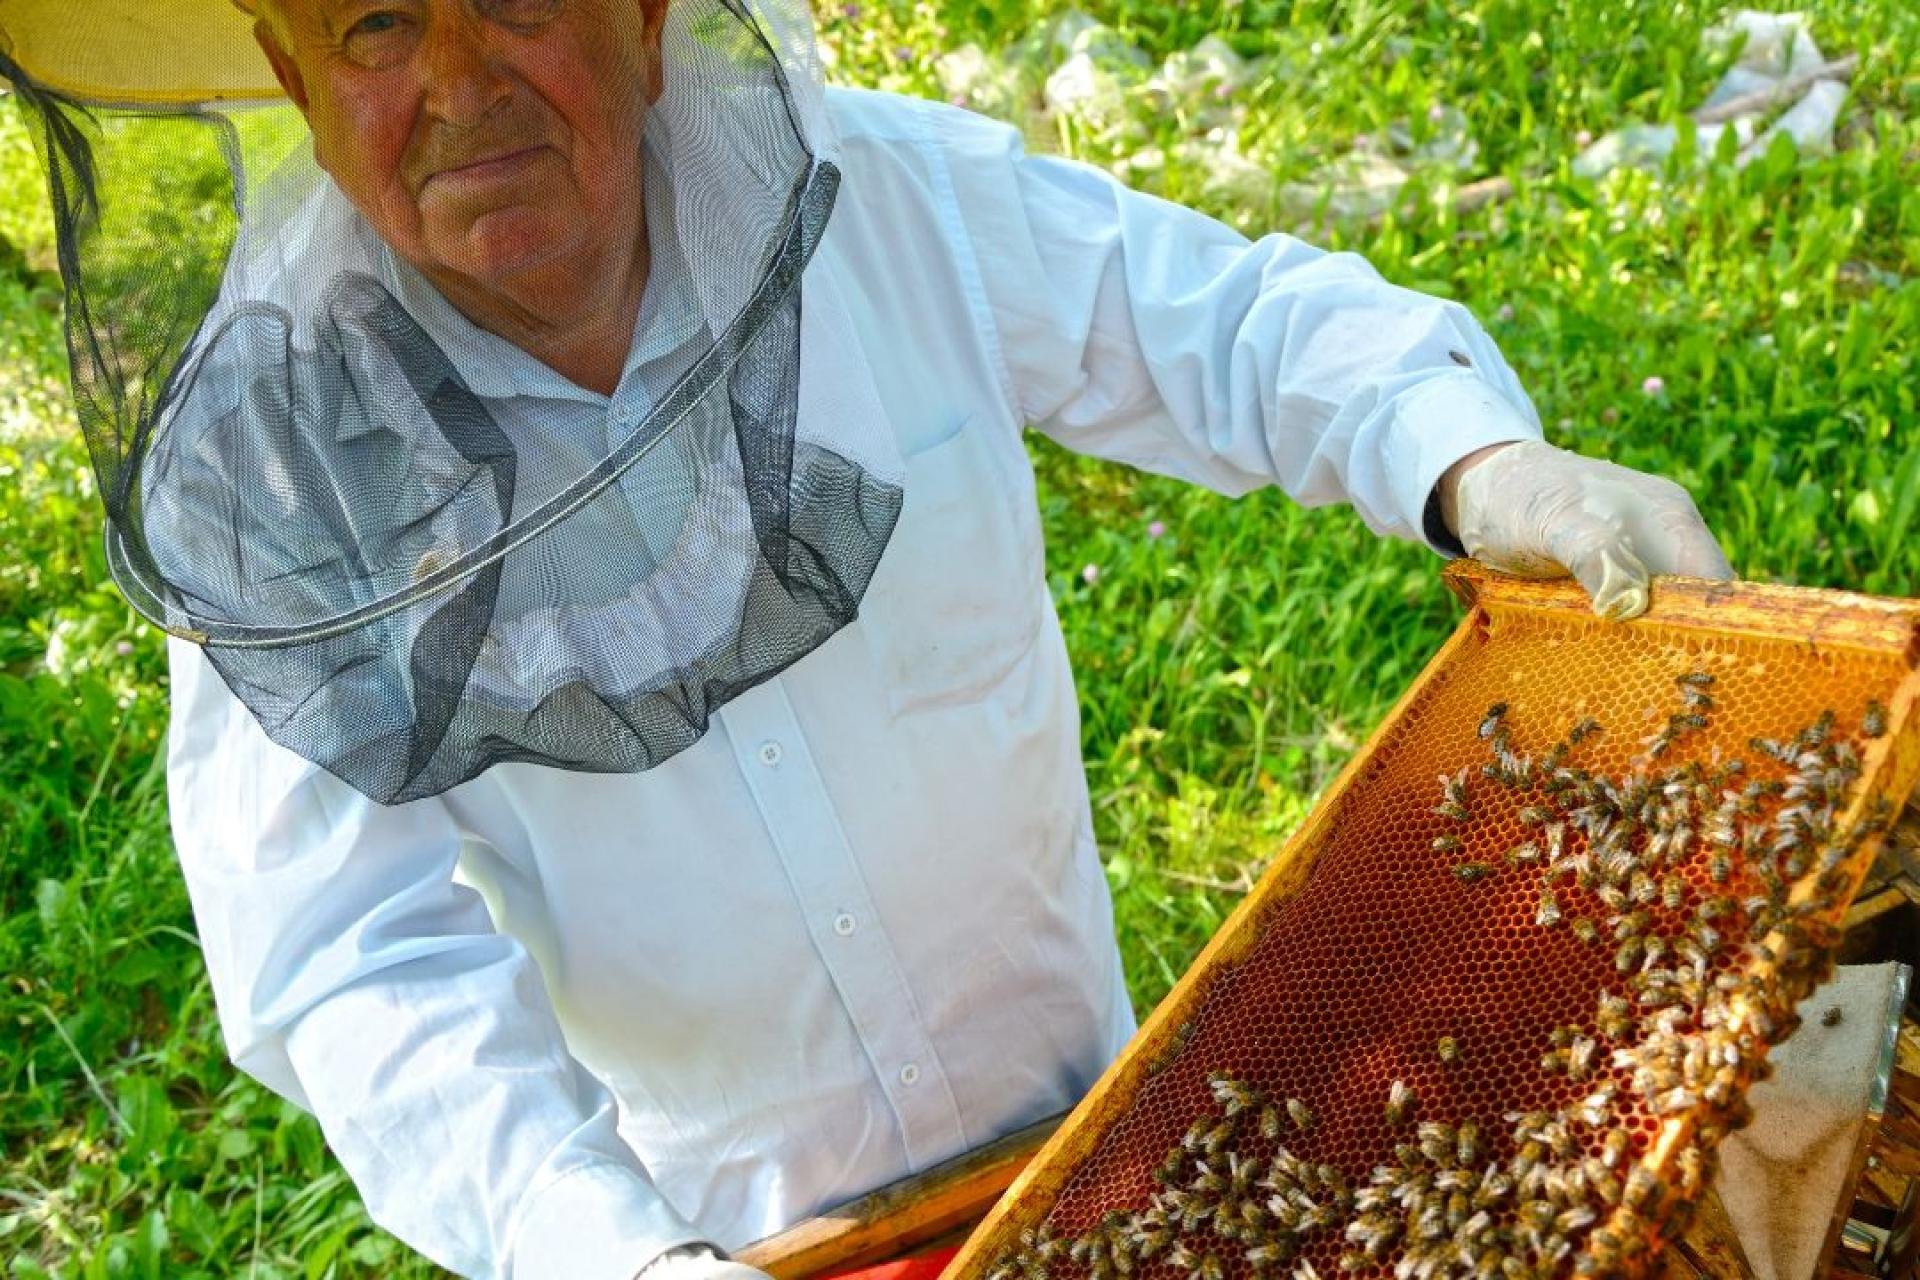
x=285, y=70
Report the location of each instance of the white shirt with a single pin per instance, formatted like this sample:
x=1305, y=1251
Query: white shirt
x=553, y=1023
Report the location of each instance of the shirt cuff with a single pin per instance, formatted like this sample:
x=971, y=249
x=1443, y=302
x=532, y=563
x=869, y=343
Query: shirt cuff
x=596, y=1222
x=1435, y=425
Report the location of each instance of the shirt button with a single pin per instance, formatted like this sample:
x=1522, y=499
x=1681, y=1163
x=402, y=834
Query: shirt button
x=910, y=1073
x=843, y=925
x=770, y=754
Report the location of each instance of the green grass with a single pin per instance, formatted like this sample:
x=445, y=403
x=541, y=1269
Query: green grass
x=1226, y=670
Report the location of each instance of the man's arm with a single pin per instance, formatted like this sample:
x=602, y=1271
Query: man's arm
x=356, y=979
x=1134, y=329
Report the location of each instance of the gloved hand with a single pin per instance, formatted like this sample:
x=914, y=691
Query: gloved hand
x=697, y=1262
x=1540, y=512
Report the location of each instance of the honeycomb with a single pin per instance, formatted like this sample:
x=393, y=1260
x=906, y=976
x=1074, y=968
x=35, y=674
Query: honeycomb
x=1397, y=978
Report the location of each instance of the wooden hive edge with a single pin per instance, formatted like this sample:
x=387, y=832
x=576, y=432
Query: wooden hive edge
x=1815, y=617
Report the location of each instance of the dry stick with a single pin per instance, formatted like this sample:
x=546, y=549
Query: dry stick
x=1761, y=99
x=1477, y=195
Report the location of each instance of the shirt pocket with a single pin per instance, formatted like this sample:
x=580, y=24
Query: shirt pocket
x=956, y=601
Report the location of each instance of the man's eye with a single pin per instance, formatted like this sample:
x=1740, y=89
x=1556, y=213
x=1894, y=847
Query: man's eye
x=380, y=40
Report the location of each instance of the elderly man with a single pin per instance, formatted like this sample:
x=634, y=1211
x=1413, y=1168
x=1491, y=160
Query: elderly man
x=589, y=1003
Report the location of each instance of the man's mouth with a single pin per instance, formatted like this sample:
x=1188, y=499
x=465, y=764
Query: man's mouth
x=504, y=164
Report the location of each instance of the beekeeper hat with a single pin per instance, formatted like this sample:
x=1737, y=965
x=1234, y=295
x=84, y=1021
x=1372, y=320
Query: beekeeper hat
x=409, y=568
x=145, y=52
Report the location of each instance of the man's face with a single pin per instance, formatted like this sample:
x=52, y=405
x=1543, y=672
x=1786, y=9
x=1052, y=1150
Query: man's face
x=480, y=138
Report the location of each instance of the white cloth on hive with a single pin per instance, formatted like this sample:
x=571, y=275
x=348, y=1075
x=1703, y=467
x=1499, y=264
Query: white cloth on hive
x=1782, y=1177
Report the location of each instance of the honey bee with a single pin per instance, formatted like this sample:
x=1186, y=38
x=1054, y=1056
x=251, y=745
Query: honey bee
x=1832, y=1017
x=1491, y=724
x=1231, y=1095
x=1525, y=854
x=1586, y=728
x=1535, y=816
x=1449, y=1050
x=1196, y=1135
x=1642, y=889
x=1596, y=1106
x=1537, y=1215
x=1696, y=680
x=1630, y=924
x=1693, y=950
x=1446, y=843
x=1628, y=954
x=1585, y=930
x=1874, y=723
x=1300, y=1114
x=1270, y=1123
x=1467, y=1142
x=1400, y=1101
x=1472, y=872
x=1815, y=735
x=1578, y=1218
x=1437, y=1140
x=1580, y=1055
x=1720, y=868
x=1696, y=699
x=1374, y=1233
x=1673, y=893
x=1263, y=1256
x=1547, y=914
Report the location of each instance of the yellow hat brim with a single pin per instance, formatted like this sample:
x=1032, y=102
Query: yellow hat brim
x=138, y=52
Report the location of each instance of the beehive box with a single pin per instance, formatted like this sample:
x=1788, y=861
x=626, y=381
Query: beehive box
x=1398, y=1038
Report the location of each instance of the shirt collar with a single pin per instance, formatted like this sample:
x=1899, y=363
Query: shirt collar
x=495, y=369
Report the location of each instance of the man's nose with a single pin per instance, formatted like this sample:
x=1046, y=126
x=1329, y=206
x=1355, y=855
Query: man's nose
x=463, y=78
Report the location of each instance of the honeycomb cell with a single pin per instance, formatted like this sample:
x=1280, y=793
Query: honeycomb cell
x=1608, y=766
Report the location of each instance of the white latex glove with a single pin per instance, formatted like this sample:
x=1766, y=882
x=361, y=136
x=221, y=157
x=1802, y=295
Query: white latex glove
x=1540, y=512
x=697, y=1262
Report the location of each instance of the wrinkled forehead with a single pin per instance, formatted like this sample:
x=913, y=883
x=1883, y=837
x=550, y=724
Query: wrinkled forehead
x=514, y=11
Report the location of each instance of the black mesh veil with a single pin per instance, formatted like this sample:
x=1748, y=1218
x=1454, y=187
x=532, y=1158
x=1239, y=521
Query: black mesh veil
x=407, y=562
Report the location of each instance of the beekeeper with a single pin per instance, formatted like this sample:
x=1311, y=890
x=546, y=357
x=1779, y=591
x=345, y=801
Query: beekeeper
x=624, y=757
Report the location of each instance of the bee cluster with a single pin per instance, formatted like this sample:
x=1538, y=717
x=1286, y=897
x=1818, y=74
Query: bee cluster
x=1709, y=887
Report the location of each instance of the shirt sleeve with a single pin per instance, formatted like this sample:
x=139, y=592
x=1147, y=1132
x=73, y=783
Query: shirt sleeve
x=356, y=978
x=1136, y=330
